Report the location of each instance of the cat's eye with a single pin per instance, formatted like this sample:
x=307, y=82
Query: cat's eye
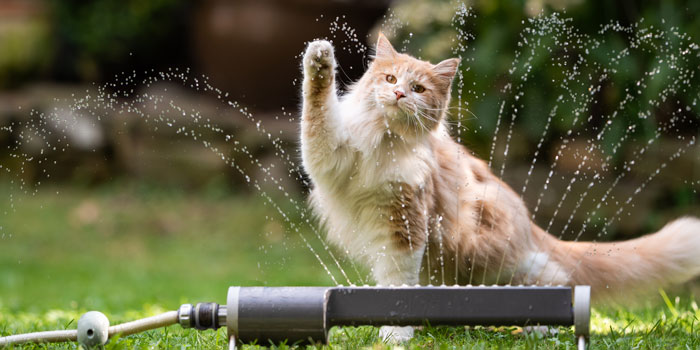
x=418, y=88
x=391, y=79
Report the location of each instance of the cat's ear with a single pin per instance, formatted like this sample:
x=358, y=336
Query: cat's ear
x=384, y=48
x=447, y=69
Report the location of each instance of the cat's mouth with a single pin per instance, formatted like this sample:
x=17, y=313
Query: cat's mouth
x=395, y=111
x=398, y=111
x=393, y=105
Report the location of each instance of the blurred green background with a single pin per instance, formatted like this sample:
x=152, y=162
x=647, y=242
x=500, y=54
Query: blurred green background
x=148, y=149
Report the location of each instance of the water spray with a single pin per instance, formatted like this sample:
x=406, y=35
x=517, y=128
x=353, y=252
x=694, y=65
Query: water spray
x=306, y=314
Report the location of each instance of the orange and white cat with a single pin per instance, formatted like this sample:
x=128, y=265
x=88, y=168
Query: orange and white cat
x=395, y=191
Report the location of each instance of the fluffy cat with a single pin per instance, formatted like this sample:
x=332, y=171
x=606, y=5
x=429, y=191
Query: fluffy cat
x=395, y=191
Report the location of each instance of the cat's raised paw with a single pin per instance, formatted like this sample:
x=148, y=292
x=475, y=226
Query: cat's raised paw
x=319, y=59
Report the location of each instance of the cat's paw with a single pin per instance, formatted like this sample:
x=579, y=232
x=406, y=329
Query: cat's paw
x=396, y=335
x=319, y=61
x=543, y=330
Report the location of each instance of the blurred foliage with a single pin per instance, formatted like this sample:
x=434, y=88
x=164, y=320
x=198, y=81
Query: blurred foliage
x=70, y=40
x=98, y=38
x=25, y=49
x=518, y=53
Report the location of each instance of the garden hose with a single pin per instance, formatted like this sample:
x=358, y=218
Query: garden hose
x=40, y=337
x=93, y=329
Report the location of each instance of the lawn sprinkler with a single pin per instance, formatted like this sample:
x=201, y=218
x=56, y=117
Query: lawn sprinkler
x=306, y=314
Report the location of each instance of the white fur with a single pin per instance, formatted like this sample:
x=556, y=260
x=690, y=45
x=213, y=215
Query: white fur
x=396, y=335
x=539, y=268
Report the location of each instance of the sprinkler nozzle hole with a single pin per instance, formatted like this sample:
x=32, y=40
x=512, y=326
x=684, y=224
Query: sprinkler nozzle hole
x=90, y=333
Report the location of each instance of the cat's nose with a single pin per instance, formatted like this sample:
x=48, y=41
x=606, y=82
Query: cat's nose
x=399, y=94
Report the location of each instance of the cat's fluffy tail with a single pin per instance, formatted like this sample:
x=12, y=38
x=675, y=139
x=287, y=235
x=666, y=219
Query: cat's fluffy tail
x=669, y=256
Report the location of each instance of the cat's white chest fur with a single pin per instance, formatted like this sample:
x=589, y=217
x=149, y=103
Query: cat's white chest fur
x=366, y=155
x=357, y=183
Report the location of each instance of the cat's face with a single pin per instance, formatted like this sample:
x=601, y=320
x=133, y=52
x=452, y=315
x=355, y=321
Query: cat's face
x=411, y=93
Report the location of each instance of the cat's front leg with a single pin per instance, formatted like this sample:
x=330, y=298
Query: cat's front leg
x=398, y=267
x=320, y=102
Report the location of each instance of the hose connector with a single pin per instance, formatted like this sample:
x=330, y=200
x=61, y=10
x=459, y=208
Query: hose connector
x=202, y=316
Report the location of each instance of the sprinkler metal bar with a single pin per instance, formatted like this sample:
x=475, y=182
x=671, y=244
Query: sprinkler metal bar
x=307, y=313
x=519, y=306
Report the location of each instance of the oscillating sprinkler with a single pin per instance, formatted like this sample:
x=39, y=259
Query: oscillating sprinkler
x=306, y=314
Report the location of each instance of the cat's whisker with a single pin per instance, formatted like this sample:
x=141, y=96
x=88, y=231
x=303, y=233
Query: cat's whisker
x=347, y=77
x=420, y=115
x=444, y=120
x=414, y=122
x=419, y=121
x=448, y=108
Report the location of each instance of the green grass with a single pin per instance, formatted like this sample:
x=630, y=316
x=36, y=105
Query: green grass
x=133, y=251
x=115, y=248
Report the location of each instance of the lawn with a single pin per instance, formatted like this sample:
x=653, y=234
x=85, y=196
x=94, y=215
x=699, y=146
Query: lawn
x=132, y=251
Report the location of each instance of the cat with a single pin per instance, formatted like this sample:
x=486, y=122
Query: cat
x=396, y=192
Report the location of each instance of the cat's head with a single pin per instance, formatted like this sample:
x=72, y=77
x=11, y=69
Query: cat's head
x=412, y=94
